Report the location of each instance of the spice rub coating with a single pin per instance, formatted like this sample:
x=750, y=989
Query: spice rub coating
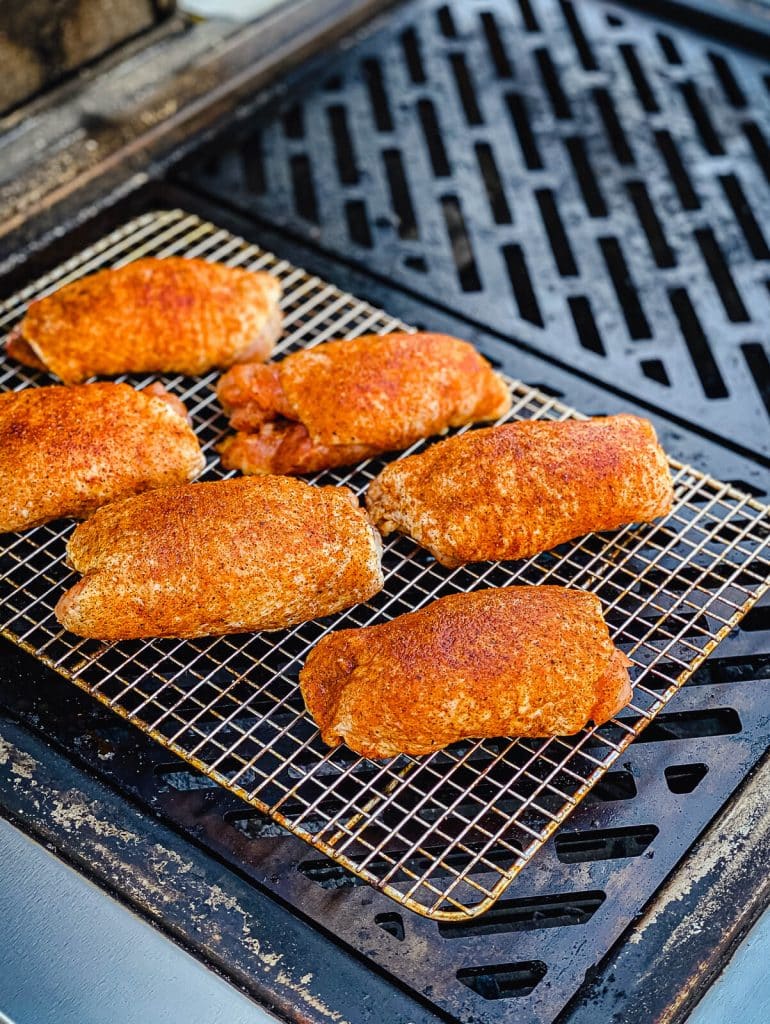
x=67, y=451
x=170, y=315
x=343, y=401
x=222, y=557
x=511, y=491
x=515, y=661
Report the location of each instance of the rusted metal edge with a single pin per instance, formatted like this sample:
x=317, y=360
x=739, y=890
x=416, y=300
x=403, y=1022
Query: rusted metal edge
x=270, y=953
x=664, y=963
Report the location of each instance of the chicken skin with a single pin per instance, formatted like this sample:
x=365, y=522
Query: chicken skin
x=344, y=401
x=521, y=488
x=168, y=315
x=222, y=557
x=67, y=451
x=516, y=661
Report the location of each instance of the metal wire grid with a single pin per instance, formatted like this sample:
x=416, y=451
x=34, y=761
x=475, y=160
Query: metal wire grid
x=444, y=834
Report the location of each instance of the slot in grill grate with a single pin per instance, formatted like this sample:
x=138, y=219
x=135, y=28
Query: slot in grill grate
x=445, y=834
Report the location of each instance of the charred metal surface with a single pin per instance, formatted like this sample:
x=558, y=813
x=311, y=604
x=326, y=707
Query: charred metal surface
x=271, y=954
x=665, y=962
x=90, y=140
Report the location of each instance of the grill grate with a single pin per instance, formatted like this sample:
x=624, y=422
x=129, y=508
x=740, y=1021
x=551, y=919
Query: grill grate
x=583, y=179
x=445, y=834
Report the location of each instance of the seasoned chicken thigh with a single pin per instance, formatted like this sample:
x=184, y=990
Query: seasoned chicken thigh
x=222, y=557
x=168, y=315
x=344, y=401
x=66, y=451
x=518, y=661
x=520, y=488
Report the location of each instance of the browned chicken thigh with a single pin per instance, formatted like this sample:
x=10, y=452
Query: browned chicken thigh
x=517, y=661
x=168, y=315
x=222, y=557
x=66, y=451
x=520, y=488
x=344, y=401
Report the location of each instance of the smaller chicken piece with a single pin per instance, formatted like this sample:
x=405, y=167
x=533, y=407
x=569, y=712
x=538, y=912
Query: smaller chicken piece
x=345, y=401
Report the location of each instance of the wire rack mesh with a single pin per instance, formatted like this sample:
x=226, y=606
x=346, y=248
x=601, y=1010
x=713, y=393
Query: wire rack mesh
x=443, y=834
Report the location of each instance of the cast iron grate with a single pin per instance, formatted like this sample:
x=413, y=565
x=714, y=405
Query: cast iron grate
x=590, y=181
x=443, y=835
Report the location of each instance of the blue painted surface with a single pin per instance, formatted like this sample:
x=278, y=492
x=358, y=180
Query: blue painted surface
x=70, y=954
x=741, y=994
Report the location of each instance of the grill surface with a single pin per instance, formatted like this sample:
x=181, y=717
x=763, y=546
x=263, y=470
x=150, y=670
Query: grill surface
x=588, y=181
x=445, y=834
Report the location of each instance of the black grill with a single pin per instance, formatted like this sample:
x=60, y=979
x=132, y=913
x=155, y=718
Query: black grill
x=589, y=182
x=592, y=185
x=571, y=186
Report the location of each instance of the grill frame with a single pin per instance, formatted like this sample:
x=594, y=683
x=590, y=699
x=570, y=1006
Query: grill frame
x=547, y=405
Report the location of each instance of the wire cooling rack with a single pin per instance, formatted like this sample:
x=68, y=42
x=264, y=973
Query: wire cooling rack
x=443, y=834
